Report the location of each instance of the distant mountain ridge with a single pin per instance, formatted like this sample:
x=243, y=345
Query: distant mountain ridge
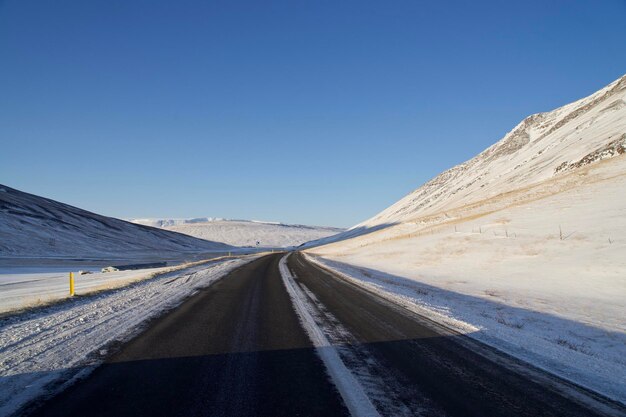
x=243, y=232
x=173, y=222
x=167, y=222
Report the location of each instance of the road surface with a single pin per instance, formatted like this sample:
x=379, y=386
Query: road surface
x=238, y=348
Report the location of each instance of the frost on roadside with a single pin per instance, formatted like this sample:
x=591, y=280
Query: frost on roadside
x=41, y=349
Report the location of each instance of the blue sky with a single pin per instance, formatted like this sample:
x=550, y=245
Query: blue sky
x=304, y=112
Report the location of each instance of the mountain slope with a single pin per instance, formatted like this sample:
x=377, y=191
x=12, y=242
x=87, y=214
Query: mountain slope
x=541, y=148
x=538, y=148
x=243, y=232
x=521, y=247
x=33, y=226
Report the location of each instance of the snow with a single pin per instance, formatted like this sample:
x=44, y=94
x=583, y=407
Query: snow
x=43, y=350
x=163, y=223
x=37, y=227
x=243, y=232
x=527, y=155
x=350, y=390
x=515, y=252
x=27, y=287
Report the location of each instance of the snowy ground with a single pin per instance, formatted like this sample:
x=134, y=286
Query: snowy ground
x=44, y=348
x=24, y=287
x=512, y=279
x=587, y=355
x=243, y=232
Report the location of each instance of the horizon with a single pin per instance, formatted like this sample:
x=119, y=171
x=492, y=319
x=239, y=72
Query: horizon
x=203, y=111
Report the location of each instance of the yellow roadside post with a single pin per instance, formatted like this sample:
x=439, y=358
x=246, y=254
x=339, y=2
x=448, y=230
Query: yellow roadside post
x=71, y=284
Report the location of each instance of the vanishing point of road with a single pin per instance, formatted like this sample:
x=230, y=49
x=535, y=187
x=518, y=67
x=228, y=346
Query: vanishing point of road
x=238, y=348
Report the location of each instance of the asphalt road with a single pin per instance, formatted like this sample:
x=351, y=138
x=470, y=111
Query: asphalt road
x=437, y=373
x=238, y=349
x=234, y=349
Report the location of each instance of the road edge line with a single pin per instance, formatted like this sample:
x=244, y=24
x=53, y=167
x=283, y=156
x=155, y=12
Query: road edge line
x=349, y=388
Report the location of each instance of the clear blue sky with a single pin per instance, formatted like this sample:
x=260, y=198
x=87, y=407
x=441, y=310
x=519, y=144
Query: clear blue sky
x=318, y=112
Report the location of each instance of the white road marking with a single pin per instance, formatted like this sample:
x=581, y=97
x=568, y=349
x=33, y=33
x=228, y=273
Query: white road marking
x=349, y=388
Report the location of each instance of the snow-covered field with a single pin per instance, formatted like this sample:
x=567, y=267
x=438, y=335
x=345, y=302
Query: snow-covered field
x=45, y=348
x=243, y=232
x=523, y=246
x=20, y=290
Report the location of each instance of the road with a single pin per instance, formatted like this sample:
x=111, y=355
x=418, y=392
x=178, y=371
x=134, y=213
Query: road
x=237, y=348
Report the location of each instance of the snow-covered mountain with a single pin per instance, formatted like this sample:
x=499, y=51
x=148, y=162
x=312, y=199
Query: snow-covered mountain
x=522, y=246
x=541, y=147
x=33, y=226
x=163, y=223
x=243, y=232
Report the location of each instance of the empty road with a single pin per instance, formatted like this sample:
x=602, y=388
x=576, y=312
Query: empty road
x=237, y=348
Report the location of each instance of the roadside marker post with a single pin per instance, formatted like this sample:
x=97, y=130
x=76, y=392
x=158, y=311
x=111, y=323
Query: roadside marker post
x=71, y=284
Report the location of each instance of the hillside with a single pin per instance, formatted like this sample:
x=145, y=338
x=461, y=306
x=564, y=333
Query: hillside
x=541, y=147
x=243, y=232
x=522, y=246
x=33, y=226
